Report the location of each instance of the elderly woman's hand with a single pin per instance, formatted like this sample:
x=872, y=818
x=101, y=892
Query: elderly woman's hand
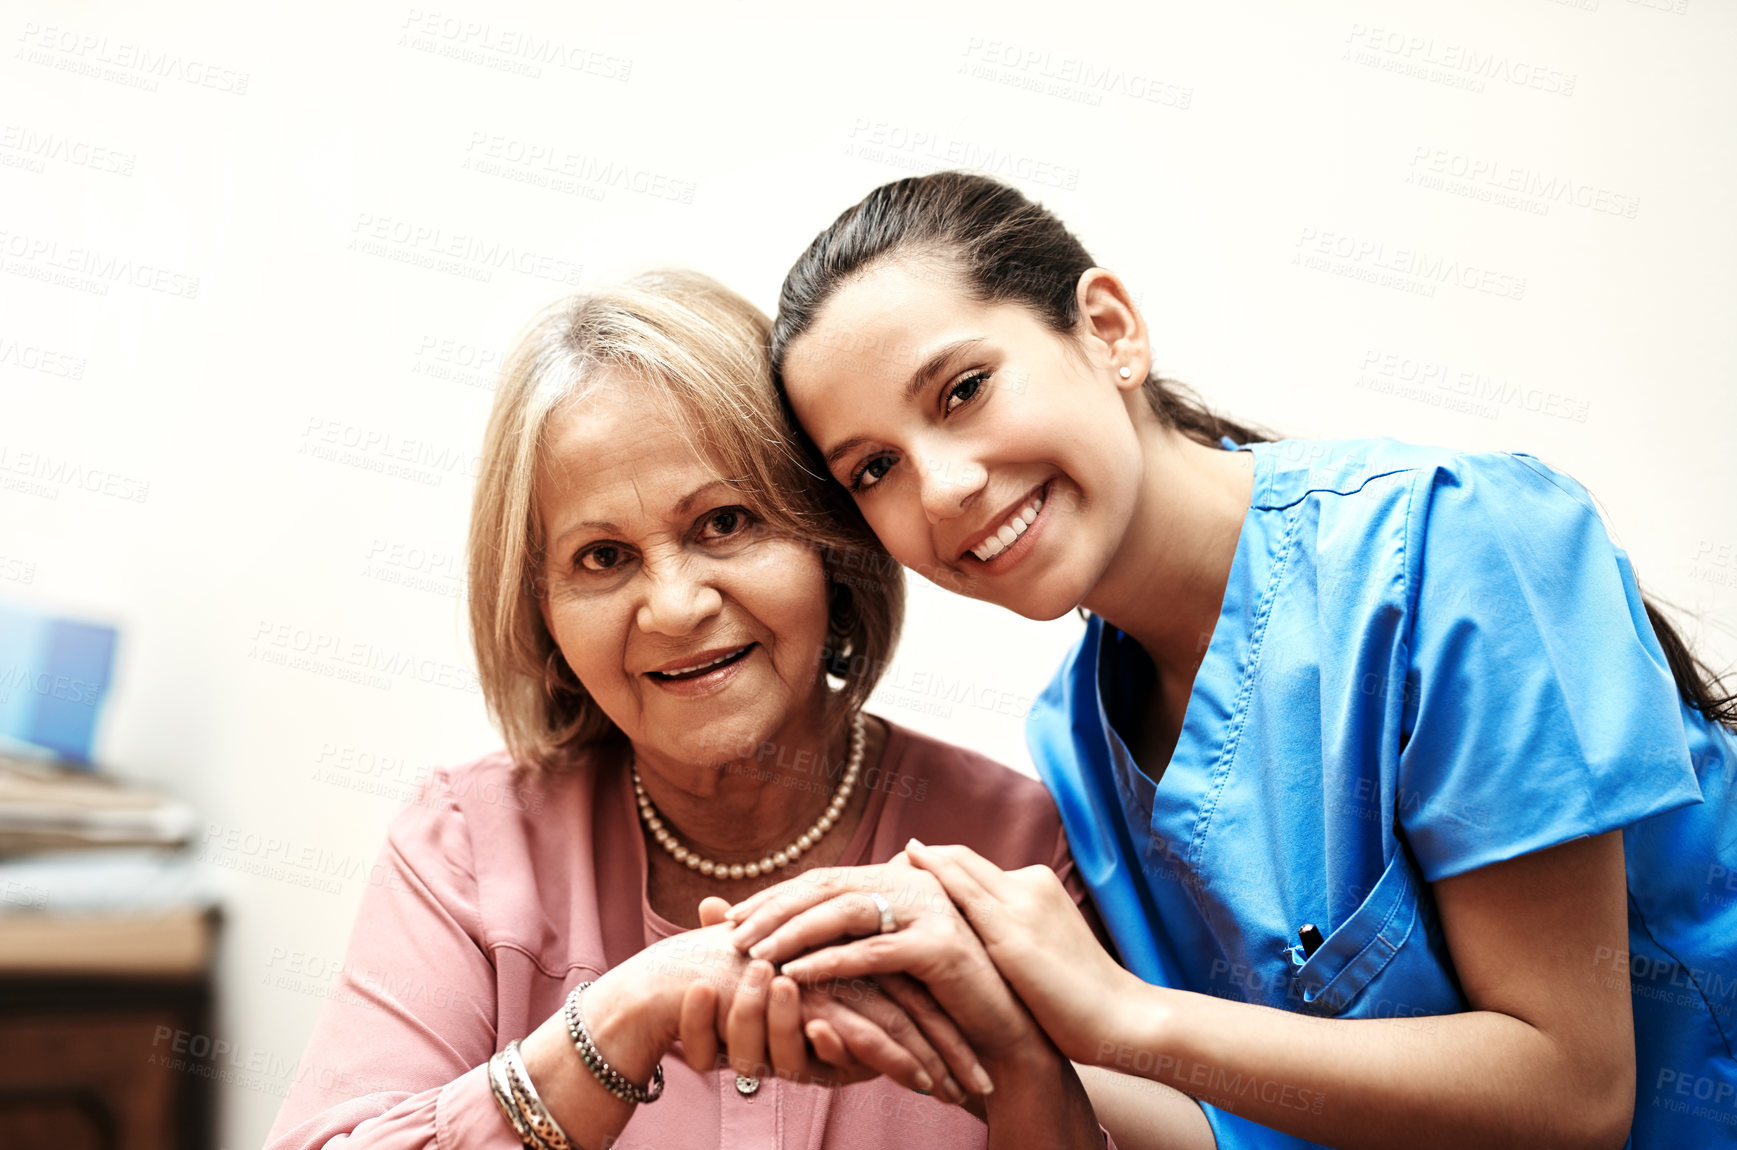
x=698, y=987
x=695, y=986
x=858, y=1027
x=929, y=940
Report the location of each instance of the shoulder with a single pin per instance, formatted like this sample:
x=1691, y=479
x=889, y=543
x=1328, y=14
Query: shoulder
x=523, y=856
x=1290, y=470
x=1504, y=486
x=489, y=802
x=1384, y=495
x=940, y=792
x=1500, y=520
x=494, y=780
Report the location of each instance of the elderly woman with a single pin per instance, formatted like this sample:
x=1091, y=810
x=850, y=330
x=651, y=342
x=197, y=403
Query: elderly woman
x=676, y=643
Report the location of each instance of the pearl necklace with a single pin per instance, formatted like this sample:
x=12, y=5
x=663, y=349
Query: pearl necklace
x=777, y=859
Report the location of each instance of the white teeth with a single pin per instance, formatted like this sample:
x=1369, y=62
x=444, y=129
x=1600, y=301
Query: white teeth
x=701, y=666
x=1004, y=535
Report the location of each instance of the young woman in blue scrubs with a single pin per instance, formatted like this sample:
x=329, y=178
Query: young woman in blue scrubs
x=1410, y=821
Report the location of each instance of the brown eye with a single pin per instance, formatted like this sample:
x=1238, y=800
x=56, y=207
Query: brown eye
x=725, y=522
x=603, y=557
x=872, y=471
x=965, y=390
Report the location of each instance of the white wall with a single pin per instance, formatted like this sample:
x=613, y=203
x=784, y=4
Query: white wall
x=1208, y=152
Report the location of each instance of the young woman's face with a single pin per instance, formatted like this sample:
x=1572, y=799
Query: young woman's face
x=696, y=628
x=991, y=454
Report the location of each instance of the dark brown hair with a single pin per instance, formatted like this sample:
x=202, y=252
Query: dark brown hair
x=1007, y=249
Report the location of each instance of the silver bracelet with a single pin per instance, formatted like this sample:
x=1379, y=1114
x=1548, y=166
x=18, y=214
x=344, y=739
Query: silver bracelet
x=612, y=1079
x=501, y=1085
x=537, y=1116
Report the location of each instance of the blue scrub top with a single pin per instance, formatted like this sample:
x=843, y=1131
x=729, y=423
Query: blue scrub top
x=1426, y=662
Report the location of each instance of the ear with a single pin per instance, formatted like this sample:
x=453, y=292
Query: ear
x=1113, y=328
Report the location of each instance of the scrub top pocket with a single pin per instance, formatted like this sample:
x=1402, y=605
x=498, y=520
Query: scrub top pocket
x=1387, y=960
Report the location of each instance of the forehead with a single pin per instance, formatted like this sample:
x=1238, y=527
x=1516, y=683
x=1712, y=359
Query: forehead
x=620, y=444
x=879, y=320
x=884, y=323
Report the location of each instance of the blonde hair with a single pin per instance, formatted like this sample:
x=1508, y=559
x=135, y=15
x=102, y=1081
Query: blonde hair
x=698, y=351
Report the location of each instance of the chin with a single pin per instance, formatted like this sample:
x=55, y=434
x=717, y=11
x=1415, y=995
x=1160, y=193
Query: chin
x=714, y=745
x=737, y=736
x=1046, y=613
x=1042, y=603
x=1043, y=611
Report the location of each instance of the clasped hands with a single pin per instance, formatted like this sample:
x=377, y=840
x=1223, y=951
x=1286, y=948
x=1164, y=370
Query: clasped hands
x=801, y=980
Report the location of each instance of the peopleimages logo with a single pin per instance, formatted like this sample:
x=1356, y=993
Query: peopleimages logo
x=1081, y=81
x=31, y=357
x=1509, y=185
x=386, y=451
x=902, y=146
x=39, y=473
x=1404, y=268
x=37, y=149
x=1451, y=64
x=468, y=256
x=542, y=163
x=353, y=660
x=122, y=61
x=89, y=269
x=18, y=677
x=1487, y=393
x=514, y=50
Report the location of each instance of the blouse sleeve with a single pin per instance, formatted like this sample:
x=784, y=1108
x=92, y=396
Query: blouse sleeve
x=396, y=1060
x=1538, y=704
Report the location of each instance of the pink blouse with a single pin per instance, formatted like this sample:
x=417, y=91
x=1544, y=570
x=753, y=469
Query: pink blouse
x=499, y=890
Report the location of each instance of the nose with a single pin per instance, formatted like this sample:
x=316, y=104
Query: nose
x=948, y=483
x=678, y=598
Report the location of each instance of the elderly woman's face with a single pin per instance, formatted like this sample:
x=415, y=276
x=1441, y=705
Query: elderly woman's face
x=696, y=628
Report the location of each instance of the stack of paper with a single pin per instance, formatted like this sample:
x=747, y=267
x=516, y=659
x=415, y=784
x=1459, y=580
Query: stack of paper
x=43, y=807
x=129, y=911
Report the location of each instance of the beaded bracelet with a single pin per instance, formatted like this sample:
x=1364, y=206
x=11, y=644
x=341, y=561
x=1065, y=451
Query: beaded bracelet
x=611, y=1078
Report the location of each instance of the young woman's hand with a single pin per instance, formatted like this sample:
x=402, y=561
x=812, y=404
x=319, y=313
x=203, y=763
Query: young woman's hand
x=1034, y=934
x=929, y=941
x=857, y=1030
x=902, y=920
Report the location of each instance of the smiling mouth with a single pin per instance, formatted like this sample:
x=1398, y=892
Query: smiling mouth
x=1015, y=525
x=695, y=670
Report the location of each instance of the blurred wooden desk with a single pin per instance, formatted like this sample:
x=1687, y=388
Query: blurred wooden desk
x=105, y=1032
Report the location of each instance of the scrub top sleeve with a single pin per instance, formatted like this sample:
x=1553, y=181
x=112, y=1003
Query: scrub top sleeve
x=1538, y=707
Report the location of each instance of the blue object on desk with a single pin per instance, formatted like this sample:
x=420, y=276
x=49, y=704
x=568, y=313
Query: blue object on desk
x=54, y=674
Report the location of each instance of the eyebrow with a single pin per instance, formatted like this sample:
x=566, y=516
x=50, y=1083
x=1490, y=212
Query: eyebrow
x=914, y=387
x=687, y=501
x=590, y=525
x=605, y=527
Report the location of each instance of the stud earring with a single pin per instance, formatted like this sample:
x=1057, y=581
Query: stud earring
x=1126, y=372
